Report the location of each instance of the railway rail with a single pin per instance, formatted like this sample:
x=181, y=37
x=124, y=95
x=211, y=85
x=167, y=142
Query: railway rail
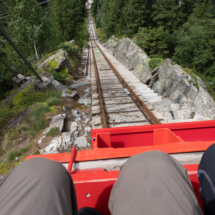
x=114, y=102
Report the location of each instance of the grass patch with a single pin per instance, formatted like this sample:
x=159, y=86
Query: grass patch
x=69, y=91
x=36, y=153
x=23, y=100
x=155, y=63
x=37, y=120
x=15, y=152
x=3, y=168
x=53, y=132
x=53, y=102
x=47, y=56
x=210, y=90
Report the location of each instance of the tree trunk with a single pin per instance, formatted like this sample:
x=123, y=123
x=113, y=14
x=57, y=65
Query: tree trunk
x=35, y=48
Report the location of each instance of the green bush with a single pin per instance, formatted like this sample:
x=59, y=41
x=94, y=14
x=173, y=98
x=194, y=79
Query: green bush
x=155, y=63
x=29, y=96
x=152, y=41
x=54, y=64
x=101, y=35
x=70, y=48
x=53, y=132
x=85, y=44
x=61, y=77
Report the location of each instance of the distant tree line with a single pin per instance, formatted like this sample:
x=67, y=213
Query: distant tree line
x=37, y=27
x=183, y=30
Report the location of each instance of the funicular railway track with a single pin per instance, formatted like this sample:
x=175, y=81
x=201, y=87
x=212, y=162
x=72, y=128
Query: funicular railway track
x=113, y=99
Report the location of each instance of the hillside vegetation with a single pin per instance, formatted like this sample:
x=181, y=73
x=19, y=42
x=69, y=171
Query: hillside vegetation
x=37, y=28
x=42, y=32
x=182, y=30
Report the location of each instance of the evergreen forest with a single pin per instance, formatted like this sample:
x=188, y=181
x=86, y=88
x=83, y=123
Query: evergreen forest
x=37, y=27
x=183, y=30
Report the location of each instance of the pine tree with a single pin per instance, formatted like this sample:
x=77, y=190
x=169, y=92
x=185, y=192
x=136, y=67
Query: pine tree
x=67, y=16
x=152, y=41
x=167, y=14
x=137, y=13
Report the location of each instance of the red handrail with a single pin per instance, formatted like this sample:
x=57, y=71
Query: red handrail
x=71, y=160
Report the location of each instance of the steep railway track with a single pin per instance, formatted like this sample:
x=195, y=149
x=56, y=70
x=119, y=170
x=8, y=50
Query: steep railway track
x=114, y=102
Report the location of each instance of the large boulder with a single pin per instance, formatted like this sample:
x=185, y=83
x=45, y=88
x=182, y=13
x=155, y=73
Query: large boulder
x=121, y=49
x=175, y=83
x=57, y=61
x=56, y=122
x=111, y=44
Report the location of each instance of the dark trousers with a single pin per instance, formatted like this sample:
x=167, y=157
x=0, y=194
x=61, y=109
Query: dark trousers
x=206, y=175
x=148, y=183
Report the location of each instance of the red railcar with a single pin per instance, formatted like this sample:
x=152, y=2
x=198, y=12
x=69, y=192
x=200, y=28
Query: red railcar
x=93, y=184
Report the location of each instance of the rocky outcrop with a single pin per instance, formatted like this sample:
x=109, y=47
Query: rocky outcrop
x=182, y=97
x=174, y=83
x=132, y=56
x=57, y=122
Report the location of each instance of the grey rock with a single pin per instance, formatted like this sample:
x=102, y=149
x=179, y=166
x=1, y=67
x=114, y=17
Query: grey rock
x=73, y=127
x=175, y=107
x=43, y=86
x=87, y=130
x=72, y=42
x=111, y=44
x=162, y=106
x=85, y=102
x=191, y=94
x=58, y=144
x=178, y=97
x=53, y=147
x=67, y=140
x=154, y=78
x=61, y=57
x=58, y=86
x=76, y=133
x=121, y=49
x=73, y=94
x=81, y=142
x=64, y=93
x=18, y=80
x=41, y=139
x=56, y=122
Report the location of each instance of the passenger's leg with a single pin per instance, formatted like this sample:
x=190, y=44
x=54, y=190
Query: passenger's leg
x=206, y=175
x=38, y=187
x=153, y=183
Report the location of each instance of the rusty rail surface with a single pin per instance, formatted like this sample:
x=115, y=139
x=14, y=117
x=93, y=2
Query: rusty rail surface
x=135, y=97
x=145, y=110
x=101, y=101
